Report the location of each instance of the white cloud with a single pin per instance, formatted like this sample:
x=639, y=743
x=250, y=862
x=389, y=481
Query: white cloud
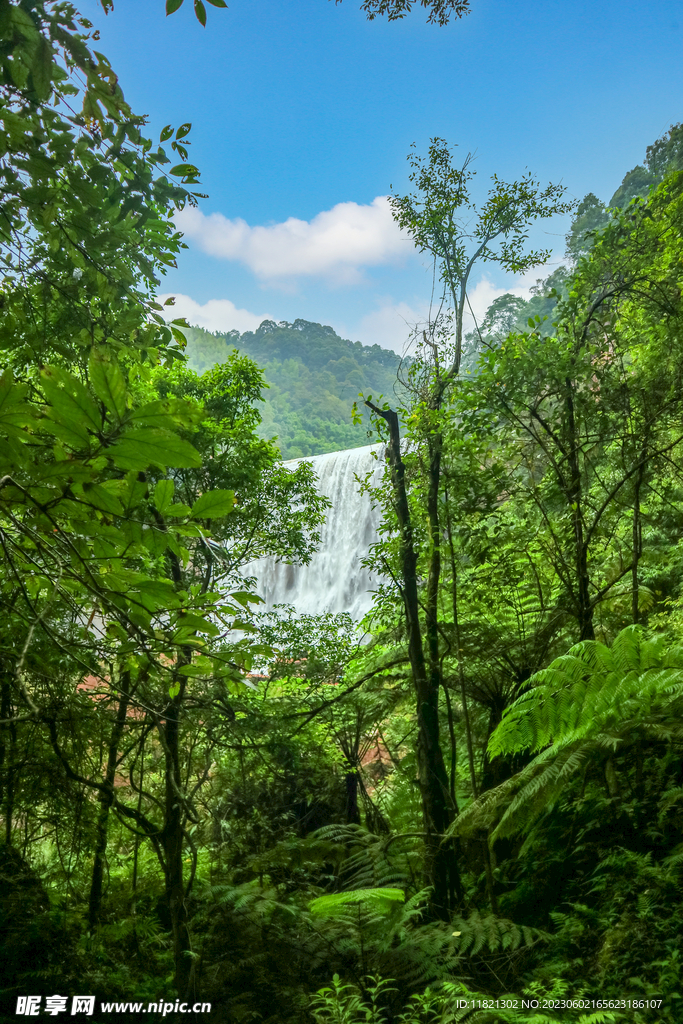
x=391, y=325
x=214, y=315
x=335, y=244
x=483, y=294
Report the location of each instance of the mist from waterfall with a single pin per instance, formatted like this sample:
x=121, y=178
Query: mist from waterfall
x=334, y=580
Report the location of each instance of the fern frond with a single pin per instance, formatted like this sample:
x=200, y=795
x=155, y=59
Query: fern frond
x=476, y=933
x=374, y=899
x=591, y=700
x=590, y=688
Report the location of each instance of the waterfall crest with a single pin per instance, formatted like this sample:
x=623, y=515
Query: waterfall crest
x=334, y=580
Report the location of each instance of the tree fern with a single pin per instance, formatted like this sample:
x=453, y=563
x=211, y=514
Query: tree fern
x=587, y=705
x=591, y=689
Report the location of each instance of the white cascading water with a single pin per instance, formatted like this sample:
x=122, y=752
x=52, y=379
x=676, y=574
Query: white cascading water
x=334, y=580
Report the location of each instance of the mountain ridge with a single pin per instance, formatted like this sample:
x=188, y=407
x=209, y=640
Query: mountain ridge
x=313, y=376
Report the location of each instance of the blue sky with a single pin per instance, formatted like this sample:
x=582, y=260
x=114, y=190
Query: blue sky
x=303, y=113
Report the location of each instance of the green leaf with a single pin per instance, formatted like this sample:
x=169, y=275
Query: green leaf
x=184, y=130
x=101, y=498
x=15, y=412
x=132, y=491
x=23, y=23
x=178, y=510
x=200, y=11
x=72, y=434
x=149, y=446
x=163, y=495
x=172, y=6
x=167, y=132
x=184, y=171
x=156, y=541
x=41, y=68
x=213, y=505
x=217, y=3
x=167, y=413
x=190, y=623
x=263, y=649
x=108, y=382
x=191, y=670
x=157, y=595
x=69, y=399
x=244, y=598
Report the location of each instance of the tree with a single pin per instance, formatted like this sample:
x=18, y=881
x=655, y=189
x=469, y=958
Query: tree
x=591, y=215
x=663, y=157
x=594, y=388
x=502, y=314
x=433, y=216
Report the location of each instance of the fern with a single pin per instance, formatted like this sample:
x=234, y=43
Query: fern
x=584, y=707
x=375, y=899
x=448, y=1003
x=591, y=689
x=476, y=933
x=366, y=865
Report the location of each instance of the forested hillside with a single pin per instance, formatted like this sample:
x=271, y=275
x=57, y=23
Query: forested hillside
x=313, y=378
x=510, y=312
x=468, y=810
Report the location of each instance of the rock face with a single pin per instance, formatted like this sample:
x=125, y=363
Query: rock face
x=334, y=580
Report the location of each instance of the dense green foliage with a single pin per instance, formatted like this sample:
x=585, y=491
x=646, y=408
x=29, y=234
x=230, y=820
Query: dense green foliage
x=471, y=813
x=313, y=377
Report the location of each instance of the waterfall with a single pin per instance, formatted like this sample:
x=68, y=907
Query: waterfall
x=334, y=580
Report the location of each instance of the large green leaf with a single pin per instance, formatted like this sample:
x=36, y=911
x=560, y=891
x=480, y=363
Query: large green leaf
x=15, y=412
x=69, y=399
x=41, y=68
x=163, y=495
x=167, y=413
x=101, y=498
x=150, y=446
x=108, y=382
x=213, y=504
x=131, y=491
x=189, y=623
x=74, y=435
x=156, y=541
x=157, y=595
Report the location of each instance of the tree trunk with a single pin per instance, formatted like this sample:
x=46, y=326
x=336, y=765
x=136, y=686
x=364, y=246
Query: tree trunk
x=432, y=596
x=440, y=864
x=461, y=672
x=574, y=494
x=7, y=759
x=352, y=810
x=106, y=798
x=637, y=541
x=172, y=842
